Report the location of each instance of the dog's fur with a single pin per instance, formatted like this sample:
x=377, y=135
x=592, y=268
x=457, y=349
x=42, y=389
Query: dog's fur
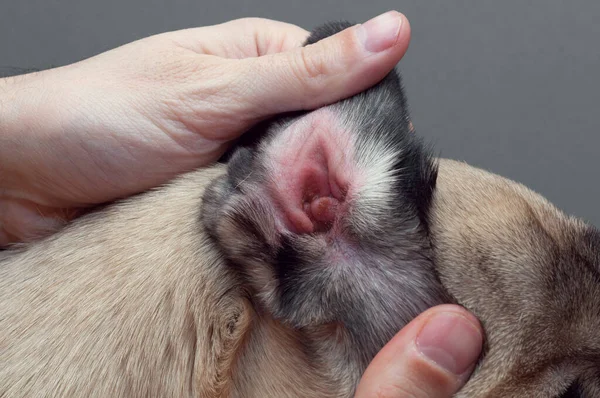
x=216, y=285
x=531, y=275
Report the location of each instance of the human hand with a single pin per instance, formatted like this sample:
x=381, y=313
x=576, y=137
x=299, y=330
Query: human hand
x=432, y=357
x=136, y=116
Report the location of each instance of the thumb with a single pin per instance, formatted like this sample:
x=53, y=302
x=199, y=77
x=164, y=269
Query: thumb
x=327, y=71
x=432, y=357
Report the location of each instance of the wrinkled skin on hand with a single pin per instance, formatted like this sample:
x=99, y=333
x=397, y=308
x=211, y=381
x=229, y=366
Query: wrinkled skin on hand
x=134, y=117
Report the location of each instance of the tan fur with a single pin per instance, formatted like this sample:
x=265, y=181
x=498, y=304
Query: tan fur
x=481, y=220
x=144, y=308
x=135, y=301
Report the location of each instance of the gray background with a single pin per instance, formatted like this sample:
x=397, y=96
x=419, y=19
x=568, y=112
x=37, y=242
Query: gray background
x=508, y=85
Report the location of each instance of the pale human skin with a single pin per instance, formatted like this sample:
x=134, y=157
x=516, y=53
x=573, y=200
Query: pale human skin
x=136, y=116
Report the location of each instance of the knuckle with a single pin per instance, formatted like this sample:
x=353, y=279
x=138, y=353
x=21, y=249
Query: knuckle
x=309, y=74
x=311, y=66
x=248, y=22
x=417, y=379
x=251, y=20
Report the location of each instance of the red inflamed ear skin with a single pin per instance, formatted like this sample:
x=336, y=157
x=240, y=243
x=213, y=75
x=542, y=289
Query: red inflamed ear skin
x=311, y=171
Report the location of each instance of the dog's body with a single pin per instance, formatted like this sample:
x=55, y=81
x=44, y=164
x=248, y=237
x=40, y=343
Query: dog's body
x=283, y=273
x=142, y=306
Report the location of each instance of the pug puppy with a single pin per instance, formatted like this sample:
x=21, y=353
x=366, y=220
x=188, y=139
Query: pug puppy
x=283, y=272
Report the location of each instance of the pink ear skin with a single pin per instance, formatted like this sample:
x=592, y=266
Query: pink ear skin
x=319, y=170
x=324, y=209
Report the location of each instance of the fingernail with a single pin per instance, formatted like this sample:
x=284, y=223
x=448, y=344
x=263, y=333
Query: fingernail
x=381, y=32
x=451, y=341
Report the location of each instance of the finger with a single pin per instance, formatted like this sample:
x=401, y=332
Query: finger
x=5, y=238
x=322, y=73
x=25, y=221
x=242, y=38
x=431, y=357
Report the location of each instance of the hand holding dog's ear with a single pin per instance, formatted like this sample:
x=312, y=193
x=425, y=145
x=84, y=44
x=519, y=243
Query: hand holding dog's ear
x=134, y=117
x=432, y=357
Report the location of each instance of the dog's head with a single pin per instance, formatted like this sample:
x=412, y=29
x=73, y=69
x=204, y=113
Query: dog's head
x=532, y=276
